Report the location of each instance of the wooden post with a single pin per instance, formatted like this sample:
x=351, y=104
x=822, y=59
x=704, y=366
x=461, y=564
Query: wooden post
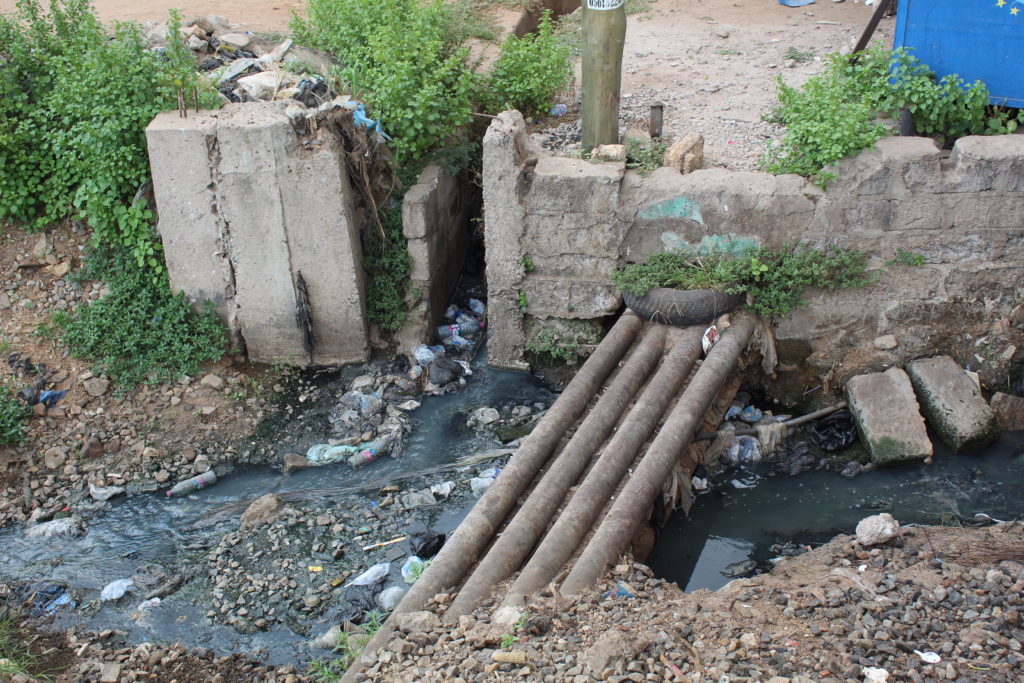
x=604, y=34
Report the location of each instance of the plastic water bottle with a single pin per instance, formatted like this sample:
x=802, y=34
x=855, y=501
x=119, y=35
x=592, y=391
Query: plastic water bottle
x=376, y=448
x=193, y=484
x=459, y=343
x=477, y=307
x=466, y=327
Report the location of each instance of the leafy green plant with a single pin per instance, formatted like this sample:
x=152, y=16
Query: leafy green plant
x=402, y=59
x=559, y=344
x=522, y=302
x=508, y=640
x=645, y=156
x=140, y=331
x=530, y=70
x=12, y=416
x=906, y=258
x=776, y=279
x=76, y=100
x=387, y=263
x=835, y=112
x=527, y=263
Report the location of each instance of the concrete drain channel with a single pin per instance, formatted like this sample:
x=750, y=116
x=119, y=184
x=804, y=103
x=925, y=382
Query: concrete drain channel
x=591, y=469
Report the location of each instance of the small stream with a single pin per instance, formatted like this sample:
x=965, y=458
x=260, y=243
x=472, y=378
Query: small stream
x=130, y=533
x=741, y=525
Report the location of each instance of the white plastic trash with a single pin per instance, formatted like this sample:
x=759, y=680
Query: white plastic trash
x=374, y=573
x=115, y=590
x=480, y=484
x=389, y=598
x=423, y=354
x=412, y=569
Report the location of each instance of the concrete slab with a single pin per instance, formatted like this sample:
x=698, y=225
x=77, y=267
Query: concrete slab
x=888, y=418
x=952, y=402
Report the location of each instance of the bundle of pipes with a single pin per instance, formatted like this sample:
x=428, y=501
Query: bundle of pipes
x=464, y=547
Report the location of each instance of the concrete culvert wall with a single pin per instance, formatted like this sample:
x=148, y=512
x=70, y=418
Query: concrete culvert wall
x=246, y=205
x=576, y=221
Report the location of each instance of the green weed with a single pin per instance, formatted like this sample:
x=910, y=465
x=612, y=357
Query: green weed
x=559, y=344
x=388, y=266
x=13, y=414
x=522, y=302
x=906, y=258
x=348, y=647
x=15, y=656
x=140, y=331
x=527, y=264
x=798, y=56
x=645, y=157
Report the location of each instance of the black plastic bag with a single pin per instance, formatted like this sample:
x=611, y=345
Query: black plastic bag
x=358, y=600
x=835, y=432
x=426, y=544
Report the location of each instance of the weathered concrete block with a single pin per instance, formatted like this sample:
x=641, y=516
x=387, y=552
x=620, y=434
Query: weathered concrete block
x=245, y=208
x=952, y=402
x=562, y=298
x=562, y=185
x=686, y=154
x=434, y=216
x=596, y=235
x=508, y=151
x=986, y=162
x=192, y=231
x=887, y=417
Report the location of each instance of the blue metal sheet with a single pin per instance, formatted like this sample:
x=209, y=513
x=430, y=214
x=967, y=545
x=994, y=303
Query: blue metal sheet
x=977, y=39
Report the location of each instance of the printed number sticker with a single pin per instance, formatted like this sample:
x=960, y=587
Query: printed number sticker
x=604, y=4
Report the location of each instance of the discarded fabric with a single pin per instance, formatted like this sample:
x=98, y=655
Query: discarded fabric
x=834, y=432
x=426, y=544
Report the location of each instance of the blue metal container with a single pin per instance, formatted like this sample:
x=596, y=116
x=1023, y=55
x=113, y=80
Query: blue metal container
x=977, y=39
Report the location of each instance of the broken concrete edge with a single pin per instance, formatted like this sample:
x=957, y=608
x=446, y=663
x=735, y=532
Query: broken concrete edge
x=952, y=403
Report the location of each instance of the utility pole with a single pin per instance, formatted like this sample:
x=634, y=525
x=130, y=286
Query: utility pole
x=604, y=34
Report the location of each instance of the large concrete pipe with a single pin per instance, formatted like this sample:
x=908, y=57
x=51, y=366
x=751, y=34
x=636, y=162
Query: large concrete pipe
x=633, y=505
x=518, y=538
x=477, y=529
x=593, y=494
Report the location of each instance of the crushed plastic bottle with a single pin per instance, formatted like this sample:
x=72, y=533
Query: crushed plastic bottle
x=193, y=484
x=459, y=343
x=376, y=449
x=477, y=307
x=467, y=326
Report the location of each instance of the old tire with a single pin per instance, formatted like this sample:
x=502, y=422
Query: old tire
x=681, y=306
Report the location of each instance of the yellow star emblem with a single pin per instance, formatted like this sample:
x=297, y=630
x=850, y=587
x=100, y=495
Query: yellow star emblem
x=1000, y=3
x=1014, y=10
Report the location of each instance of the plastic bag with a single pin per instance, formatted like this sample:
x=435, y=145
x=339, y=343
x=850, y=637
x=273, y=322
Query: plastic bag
x=423, y=354
x=835, y=432
x=115, y=590
x=426, y=544
x=389, y=598
x=371, y=575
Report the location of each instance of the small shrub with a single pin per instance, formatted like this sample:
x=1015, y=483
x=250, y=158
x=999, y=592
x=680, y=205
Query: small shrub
x=388, y=266
x=140, y=331
x=401, y=57
x=834, y=114
x=775, y=278
x=907, y=258
x=12, y=418
x=530, y=70
x=76, y=100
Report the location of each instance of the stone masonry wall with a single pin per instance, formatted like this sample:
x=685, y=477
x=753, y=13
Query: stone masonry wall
x=576, y=221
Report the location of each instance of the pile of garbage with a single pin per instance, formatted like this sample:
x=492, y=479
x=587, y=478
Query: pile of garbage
x=245, y=67
x=742, y=458
x=370, y=420
x=446, y=365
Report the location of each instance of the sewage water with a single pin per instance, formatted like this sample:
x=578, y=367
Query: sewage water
x=129, y=533
x=741, y=525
